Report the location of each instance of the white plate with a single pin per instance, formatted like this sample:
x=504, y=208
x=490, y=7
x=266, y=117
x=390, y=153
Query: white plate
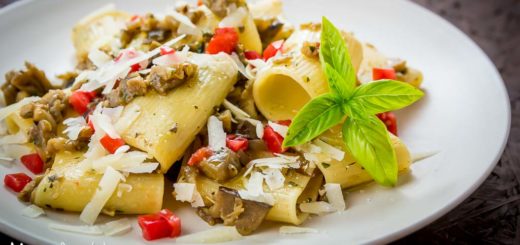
x=465, y=115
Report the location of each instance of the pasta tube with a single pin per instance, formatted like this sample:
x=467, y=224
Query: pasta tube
x=347, y=172
x=186, y=109
x=281, y=90
x=97, y=29
x=66, y=188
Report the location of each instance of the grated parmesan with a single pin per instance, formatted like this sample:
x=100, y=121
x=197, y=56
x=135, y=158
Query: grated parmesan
x=216, y=134
x=335, y=196
x=215, y=235
x=33, y=211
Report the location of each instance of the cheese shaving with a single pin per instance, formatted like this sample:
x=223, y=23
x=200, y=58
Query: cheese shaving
x=334, y=152
x=238, y=64
x=129, y=115
x=98, y=57
x=296, y=230
x=215, y=235
x=274, y=178
x=187, y=192
x=317, y=207
x=33, y=211
x=216, y=134
x=116, y=227
x=278, y=128
x=106, y=187
x=259, y=127
x=186, y=27
x=74, y=126
x=255, y=190
x=335, y=196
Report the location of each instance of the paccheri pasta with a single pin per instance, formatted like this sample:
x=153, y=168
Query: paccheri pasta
x=212, y=93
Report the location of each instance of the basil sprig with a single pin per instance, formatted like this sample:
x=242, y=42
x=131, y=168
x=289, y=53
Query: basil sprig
x=364, y=135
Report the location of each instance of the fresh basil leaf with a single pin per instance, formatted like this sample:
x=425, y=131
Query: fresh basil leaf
x=314, y=118
x=368, y=141
x=336, y=82
x=384, y=95
x=333, y=51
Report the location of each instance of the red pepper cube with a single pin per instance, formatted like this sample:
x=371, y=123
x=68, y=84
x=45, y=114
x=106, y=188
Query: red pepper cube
x=252, y=55
x=225, y=40
x=236, y=143
x=164, y=50
x=33, y=162
x=390, y=121
x=17, y=181
x=199, y=155
x=383, y=73
x=154, y=227
x=272, y=49
x=111, y=145
x=173, y=220
x=79, y=100
x=273, y=140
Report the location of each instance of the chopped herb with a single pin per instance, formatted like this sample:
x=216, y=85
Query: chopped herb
x=174, y=128
x=196, y=107
x=292, y=184
x=241, y=29
x=325, y=165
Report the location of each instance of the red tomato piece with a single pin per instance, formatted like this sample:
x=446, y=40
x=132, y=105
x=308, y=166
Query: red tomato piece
x=173, y=221
x=390, y=121
x=134, y=18
x=200, y=155
x=252, y=55
x=272, y=49
x=154, y=226
x=166, y=50
x=236, y=143
x=199, y=3
x=225, y=40
x=111, y=145
x=284, y=122
x=135, y=67
x=80, y=100
x=383, y=73
x=17, y=181
x=33, y=162
x=273, y=140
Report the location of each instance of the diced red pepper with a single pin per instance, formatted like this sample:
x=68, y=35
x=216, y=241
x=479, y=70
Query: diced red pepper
x=17, y=181
x=90, y=123
x=390, y=121
x=284, y=122
x=33, y=162
x=135, y=67
x=383, y=73
x=273, y=140
x=272, y=49
x=134, y=18
x=225, y=40
x=199, y=3
x=154, y=226
x=111, y=145
x=173, y=220
x=252, y=55
x=80, y=100
x=166, y=50
x=199, y=155
x=236, y=143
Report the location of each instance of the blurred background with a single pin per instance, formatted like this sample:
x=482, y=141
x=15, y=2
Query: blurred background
x=492, y=214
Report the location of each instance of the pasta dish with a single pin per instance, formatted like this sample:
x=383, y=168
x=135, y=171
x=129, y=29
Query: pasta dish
x=248, y=117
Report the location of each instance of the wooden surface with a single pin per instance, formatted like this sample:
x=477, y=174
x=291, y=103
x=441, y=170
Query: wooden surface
x=492, y=214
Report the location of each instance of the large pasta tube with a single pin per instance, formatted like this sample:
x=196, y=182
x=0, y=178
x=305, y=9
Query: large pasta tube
x=97, y=29
x=281, y=90
x=63, y=187
x=298, y=188
x=186, y=109
x=347, y=172
x=248, y=35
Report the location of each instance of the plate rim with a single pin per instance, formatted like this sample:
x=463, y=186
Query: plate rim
x=26, y=236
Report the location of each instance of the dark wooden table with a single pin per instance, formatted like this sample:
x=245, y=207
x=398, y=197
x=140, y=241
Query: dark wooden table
x=492, y=214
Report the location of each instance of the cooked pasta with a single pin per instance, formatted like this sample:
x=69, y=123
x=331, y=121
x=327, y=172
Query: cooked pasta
x=252, y=118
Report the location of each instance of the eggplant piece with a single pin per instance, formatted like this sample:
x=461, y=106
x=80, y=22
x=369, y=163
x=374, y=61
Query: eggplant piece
x=222, y=166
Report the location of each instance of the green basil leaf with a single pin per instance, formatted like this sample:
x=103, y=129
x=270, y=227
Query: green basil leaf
x=368, y=141
x=314, y=118
x=384, y=95
x=333, y=51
